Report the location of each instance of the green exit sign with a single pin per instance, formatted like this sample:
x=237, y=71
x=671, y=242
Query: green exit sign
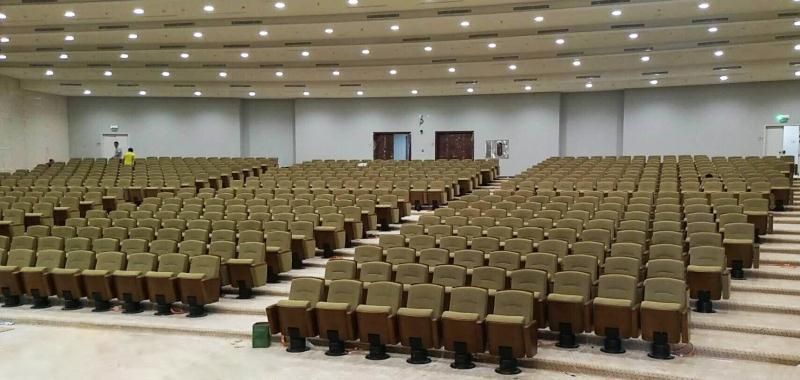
x=783, y=119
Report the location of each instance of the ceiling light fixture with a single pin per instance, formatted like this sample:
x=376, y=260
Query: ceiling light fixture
x=185, y=55
x=198, y=34
x=470, y=90
x=492, y=45
x=263, y=33
x=512, y=67
x=63, y=56
x=49, y=73
x=654, y=82
x=352, y=2
x=335, y=73
x=4, y=40
x=143, y=93
x=645, y=58
x=305, y=53
x=198, y=93
x=165, y=74
x=576, y=62
x=138, y=11
x=360, y=93
x=251, y=93
x=724, y=78
x=560, y=41
x=306, y=93
x=703, y=5
x=223, y=74
x=328, y=30
x=428, y=48
x=414, y=92
x=208, y=8
x=538, y=19
x=797, y=47
x=616, y=13
x=87, y=92
x=719, y=53
x=395, y=28
x=107, y=73
x=279, y=74
x=797, y=73
x=465, y=24
x=244, y=54
x=280, y=5
x=451, y=69
x=713, y=29
x=392, y=72
x=123, y=56
x=797, y=23
x=2, y=16
x=365, y=52
x=633, y=36
x=3, y=57
x=133, y=36
x=69, y=37
x=589, y=85
x=528, y=88
x=69, y=14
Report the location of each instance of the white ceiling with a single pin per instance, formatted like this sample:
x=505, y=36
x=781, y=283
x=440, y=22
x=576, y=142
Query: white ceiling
x=759, y=39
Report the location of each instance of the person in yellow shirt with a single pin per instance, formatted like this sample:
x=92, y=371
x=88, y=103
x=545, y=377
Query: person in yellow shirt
x=128, y=157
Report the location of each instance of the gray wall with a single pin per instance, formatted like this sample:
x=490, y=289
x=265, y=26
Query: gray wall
x=33, y=127
x=342, y=128
x=719, y=120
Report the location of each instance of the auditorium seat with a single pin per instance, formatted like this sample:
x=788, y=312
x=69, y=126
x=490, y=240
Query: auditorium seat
x=162, y=284
x=98, y=281
x=463, y=324
x=294, y=317
x=741, y=249
x=376, y=317
x=129, y=284
x=200, y=285
x=67, y=281
x=569, y=306
x=36, y=279
x=335, y=319
x=511, y=330
x=664, y=315
x=340, y=270
x=707, y=277
x=249, y=269
x=616, y=311
x=418, y=322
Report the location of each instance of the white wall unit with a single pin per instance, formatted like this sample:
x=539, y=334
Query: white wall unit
x=268, y=129
x=33, y=127
x=591, y=123
x=343, y=129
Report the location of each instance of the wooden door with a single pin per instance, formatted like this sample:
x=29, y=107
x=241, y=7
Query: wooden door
x=383, y=147
x=455, y=145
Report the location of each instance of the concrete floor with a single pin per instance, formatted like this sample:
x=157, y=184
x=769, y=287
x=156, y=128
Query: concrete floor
x=754, y=335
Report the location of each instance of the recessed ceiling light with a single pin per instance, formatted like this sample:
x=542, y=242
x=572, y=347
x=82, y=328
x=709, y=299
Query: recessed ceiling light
x=198, y=93
x=335, y=73
x=654, y=82
x=512, y=67
x=451, y=69
x=165, y=74
x=305, y=53
x=560, y=41
x=797, y=23
x=528, y=88
x=470, y=90
x=143, y=93
x=538, y=19
x=3, y=57
x=306, y=93
x=352, y=2
x=4, y=40
x=279, y=73
x=208, y=8
x=633, y=36
x=280, y=5
x=87, y=92
x=197, y=34
x=138, y=11
x=185, y=55
x=392, y=72
x=492, y=45
x=395, y=27
x=328, y=30
x=360, y=93
x=107, y=73
x=2, y=16
x=645, y=58
x=251, y=93
x=713, y=29
x=414, y=92
x=123, y=56
x=703, y=5
x=589, y=85
x=576, y=62
x=244, y=54
x=719, y=53
x=69, y=14
x=48, y=73
x=133, y=36
x=69, y=38
x=263, y=33
x=223, y=74
x=63, y=56
x=724, y=78
x=464, y=23
x=428, y=48
x=365, y=52
x=797, y=73
x=797, y=47
x=616, y=12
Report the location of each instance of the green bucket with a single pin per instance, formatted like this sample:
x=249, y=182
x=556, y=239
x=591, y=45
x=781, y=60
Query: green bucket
x=261, y=335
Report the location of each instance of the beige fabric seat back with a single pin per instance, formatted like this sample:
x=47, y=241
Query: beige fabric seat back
x=400, y=255
x=490, y=278
x=530, y=280
x=426, y=297
x=665, y=268
x=469, y=299
x=701, y=239
x=161, y=247
x=546, y=262
x=376, y=271
x=141, y=262
x=421, y=242
x=391, y=241
x=411, y=273
x=666, y=251
x=573, y=283
x=485, y=244
x=468, y=258
x=519, y=245
x=307, y=289
x=173, y=263
x=581, y=263
x=385, y=293
x=453, y=243
x=712, y=257
x=340, y=270
x=504, y=259
x=345, y=292
x=433, y=257
x=556, y=247
x=618, y=287
x=665, y=290
x=80, y=260
x=368, y=253
x=77, y=244
x=449, y=275
x=622, y=265
x=514, y=303
x=50, y=259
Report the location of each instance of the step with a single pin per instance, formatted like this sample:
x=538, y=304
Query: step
x=779, y=247
x=767, y=285
x=774, y=272
x=784, y=325
x=760, y=302
x=777, y=258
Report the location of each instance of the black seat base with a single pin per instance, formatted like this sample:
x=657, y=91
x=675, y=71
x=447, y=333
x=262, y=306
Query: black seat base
x=566, y=338
x=335, y=345
x=163, y=308
x=737, y=272
x=377, y=351
x=508, y=364
x=100, y=305
x=704, y=304
x=463, y=359
x=195, y=310
x=245, y=291
x=660, y=348
x=40, y=302
x=419, y=355
x=612, y=344
x=297, y=343
x=71, y=303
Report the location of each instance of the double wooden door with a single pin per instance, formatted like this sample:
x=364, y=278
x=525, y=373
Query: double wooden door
x=455, y=145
